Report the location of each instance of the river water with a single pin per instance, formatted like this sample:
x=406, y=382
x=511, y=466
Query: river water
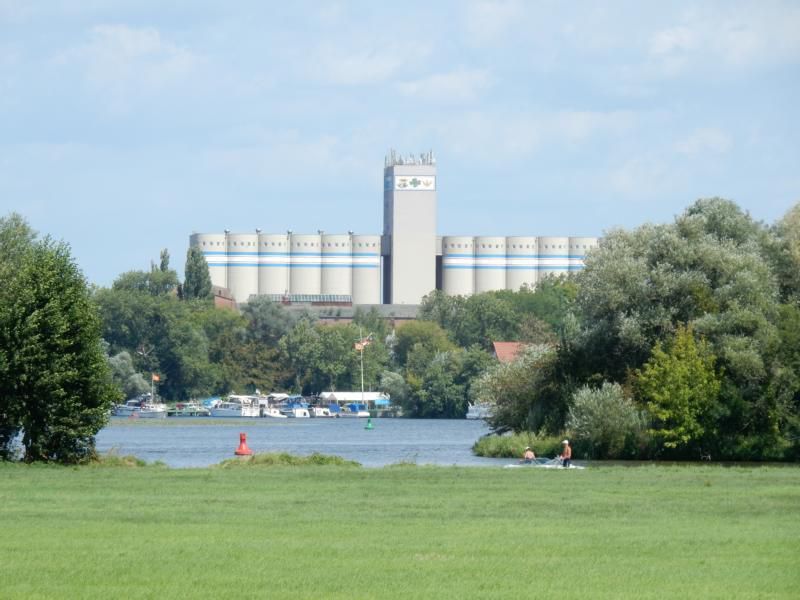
x=201, y=441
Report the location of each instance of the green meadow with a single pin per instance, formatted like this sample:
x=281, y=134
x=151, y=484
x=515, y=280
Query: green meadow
x=319, y=530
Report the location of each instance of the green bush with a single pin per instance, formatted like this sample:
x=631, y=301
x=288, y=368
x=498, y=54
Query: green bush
x=605, y=423
x=114, y=460
x=276, y=459
x=513, y=445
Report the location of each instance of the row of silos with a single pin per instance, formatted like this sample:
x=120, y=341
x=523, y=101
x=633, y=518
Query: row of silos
x=471, y=265
x=314, y=264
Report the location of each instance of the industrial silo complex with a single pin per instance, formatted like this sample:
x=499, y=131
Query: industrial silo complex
x=398, y=267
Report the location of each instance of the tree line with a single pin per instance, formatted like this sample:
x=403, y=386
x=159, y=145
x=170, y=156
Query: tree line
x=676, y=340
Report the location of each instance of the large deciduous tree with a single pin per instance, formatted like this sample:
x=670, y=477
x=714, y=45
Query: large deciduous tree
x=55, y=383
x=680, y=389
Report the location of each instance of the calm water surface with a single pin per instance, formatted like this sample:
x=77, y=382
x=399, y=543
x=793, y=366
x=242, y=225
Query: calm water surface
x=199, y=442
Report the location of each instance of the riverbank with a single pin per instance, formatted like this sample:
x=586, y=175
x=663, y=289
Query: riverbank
x=399, y=532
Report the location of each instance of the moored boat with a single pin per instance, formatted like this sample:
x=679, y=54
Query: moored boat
x=321, y=412
x=188, y=409
x=355, y=409
x=236, y=406
x=271, y=412
x=141, y=407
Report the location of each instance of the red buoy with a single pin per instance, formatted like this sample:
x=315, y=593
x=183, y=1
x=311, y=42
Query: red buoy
x=243, y=450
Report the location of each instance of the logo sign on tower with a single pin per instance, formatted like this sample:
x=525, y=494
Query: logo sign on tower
x=414, y=183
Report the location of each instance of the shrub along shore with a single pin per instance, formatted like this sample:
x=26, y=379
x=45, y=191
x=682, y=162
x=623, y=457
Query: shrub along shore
x=327, y=530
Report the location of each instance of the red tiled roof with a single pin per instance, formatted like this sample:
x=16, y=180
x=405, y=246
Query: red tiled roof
x=506, y=351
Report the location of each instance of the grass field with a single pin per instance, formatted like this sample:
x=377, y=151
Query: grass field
x=399, y=532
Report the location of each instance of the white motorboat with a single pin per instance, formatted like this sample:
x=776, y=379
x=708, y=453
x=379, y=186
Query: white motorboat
x=321, y=412
x=296, y=413
x=141, y=407
x=355, y=409
x=272, y=412
x=295, y=407
x=237, y=406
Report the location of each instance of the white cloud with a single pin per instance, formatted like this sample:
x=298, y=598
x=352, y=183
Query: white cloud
x=281, y=154
x=577, y=126
x=642, y=177
x=671, y=40
x=502, y=137
x=461, y=85
x=125, y=62
x=372, y=64
x=749, y=35
x=703, y=141
x=487, y=21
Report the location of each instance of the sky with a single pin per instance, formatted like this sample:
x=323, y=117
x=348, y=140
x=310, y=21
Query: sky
x=127, y=125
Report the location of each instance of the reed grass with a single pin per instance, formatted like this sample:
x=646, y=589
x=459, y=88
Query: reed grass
x=275, y=459
x=513, y=445
x=330, y=531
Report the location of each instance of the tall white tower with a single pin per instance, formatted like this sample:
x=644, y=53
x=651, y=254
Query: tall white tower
x=409, y=227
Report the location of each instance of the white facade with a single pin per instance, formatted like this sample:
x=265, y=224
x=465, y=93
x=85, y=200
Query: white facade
x=305, y=257
x=522, y=261
x=409, y=223
x=578, y=247
x=490, y=264
x=553, y=256
x=273, y=263
x=242, y=265
x=458, y=265
x=366, y=275
x=337, y=264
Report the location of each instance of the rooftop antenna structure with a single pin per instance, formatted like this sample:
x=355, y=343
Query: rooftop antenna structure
x=424, y=158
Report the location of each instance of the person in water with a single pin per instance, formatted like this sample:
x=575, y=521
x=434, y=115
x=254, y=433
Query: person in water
x=528, y=457
x=566, y=454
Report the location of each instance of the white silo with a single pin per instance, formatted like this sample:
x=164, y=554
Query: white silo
x=458, y=265
x=553, y=256
x=337, y=261
x=305, y=261
x=521, y=262
x=578, y=247
x=242, y=265
x=366, y=269
x=215, y=251
x=273, y=263
x=490, y=263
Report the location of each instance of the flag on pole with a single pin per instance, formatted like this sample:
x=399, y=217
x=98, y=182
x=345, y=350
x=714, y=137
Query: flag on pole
x=361, y=344
x=156, y=377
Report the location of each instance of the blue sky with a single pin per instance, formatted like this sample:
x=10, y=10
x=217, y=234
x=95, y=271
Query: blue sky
x=126, y=125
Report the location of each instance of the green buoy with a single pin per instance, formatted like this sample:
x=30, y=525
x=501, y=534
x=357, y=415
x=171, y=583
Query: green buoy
x=369, y=423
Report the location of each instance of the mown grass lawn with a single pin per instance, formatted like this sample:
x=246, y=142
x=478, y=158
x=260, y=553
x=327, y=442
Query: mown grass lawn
x=399, y=532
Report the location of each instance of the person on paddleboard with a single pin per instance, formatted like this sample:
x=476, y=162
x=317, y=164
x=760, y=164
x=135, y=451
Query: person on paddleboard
x=529, y=456
x=566, y=454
